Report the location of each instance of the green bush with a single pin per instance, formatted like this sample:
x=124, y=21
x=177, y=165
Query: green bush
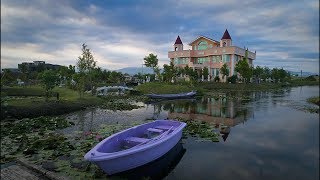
x=216, y=79
x=232, y=79
x=310, y=78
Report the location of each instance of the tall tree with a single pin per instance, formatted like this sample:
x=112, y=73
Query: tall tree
x=205, y=72
x=48, y=80
x=279, y=74
x=243, y=68
x=169, y=72
x=152, y=61
x=85, y=66
x=266, y=73
x=257, y=72
x=224, y=70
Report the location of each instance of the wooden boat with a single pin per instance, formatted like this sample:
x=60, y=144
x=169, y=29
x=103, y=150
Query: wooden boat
x=136, y=146
x=172, y=96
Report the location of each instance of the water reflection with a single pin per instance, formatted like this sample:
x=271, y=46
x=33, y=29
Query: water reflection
x=220, y=111
x=157, y=169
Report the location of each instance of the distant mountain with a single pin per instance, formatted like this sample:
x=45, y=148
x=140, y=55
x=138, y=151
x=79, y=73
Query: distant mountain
x=135, y=70
x=304, y=74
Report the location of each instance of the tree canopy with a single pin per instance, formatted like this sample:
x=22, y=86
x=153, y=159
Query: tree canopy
x=48, y=80
x=85, y=65
x=152, y=61
x=224, y=70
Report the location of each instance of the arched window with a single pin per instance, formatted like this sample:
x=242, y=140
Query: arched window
x=175, y=49
x=203, y=45
x=224, y=44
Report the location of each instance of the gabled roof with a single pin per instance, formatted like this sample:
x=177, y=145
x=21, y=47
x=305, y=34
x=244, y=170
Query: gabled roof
x=204, y=38
x=178, y=40
x=226, y=35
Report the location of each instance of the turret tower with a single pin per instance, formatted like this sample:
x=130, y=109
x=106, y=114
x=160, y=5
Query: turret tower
x=226, y=39
x=178, y=46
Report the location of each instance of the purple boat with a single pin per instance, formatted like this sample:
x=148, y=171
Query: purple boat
x=136, y=146
x=172, y=96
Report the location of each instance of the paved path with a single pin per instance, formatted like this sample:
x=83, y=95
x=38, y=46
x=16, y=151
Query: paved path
x=23, y=170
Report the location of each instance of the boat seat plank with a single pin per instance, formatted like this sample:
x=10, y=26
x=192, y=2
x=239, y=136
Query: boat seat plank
x=163, y=127
x=136, y=139
x=155, y=130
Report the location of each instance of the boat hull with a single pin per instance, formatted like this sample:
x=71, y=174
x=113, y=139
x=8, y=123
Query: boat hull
x=172, y=96
x=142, y=155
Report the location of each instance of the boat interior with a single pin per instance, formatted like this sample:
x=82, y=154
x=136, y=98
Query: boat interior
x=138, y=136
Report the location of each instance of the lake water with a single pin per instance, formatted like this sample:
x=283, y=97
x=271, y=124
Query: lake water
x=270, y=136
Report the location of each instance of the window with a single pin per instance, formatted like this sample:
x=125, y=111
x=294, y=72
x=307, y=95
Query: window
x=175, y=49
x=226, y=58
x=202, y=60
x=215, y=72
x=224, y=44
x=216, y=59
x=180, y=60
x=236, y=58
x=203, y=45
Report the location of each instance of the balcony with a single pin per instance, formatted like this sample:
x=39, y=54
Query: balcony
x=211, y=52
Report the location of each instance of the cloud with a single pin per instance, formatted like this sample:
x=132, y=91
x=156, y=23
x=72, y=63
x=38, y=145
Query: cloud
x=122, y=34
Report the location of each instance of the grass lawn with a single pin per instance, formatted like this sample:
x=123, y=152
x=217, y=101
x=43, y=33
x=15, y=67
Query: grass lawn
x=208, y=87
x=30, y=102
x=161, y=88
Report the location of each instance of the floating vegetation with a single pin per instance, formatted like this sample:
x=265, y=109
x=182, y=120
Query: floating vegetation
x=36, y=141
x=27, y=125
x=122, y=103
x=27, y=137
x=119, y=105
x=202, y=130
x=314, y=100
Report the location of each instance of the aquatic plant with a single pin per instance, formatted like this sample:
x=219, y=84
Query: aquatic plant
x=314, y=100
x=203, y=130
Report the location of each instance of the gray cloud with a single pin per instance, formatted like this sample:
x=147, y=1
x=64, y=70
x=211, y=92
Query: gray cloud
x=121, y=34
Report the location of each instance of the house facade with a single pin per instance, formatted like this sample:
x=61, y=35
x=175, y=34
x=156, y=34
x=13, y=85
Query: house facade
x=211, y=54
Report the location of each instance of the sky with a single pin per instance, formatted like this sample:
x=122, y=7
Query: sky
x=285, y=34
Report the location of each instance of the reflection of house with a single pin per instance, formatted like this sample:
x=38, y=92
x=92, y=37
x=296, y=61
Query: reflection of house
x=209, y=53
x=220, y=111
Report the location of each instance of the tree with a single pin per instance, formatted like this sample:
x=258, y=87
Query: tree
x=193, y=74
x=85, y=66
x=66, y=74
x=152, y=61
x=257, y=72
x=266, y=73
x=279, y=74
x=48, y=80
x=169, y=72
x=7, y=77
x=205, y=72
x=224, y=71
x=243, y=68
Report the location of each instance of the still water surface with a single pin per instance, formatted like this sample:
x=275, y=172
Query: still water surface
x=270, y=136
